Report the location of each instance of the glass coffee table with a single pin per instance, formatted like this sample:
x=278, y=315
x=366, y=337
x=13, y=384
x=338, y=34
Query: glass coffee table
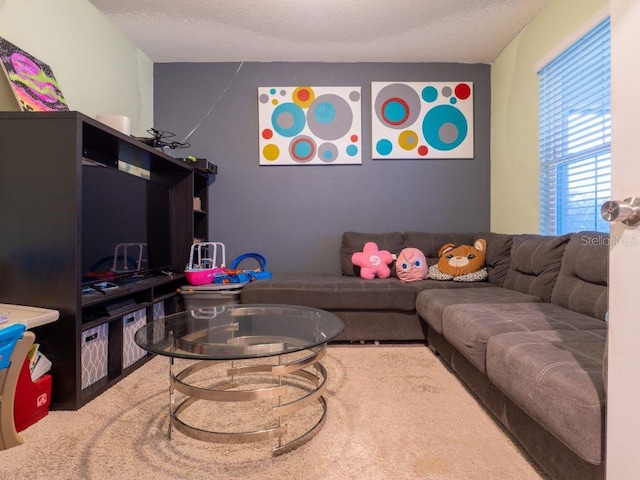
x=282, y=343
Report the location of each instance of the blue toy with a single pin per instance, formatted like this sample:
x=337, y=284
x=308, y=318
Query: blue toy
x=9, y=337
x=234, y=275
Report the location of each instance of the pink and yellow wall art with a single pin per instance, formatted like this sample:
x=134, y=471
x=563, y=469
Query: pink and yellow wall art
x=31, y=80
x=309, y=125
x=412, y=120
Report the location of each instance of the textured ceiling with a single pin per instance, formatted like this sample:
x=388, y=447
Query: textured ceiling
x=467, y=31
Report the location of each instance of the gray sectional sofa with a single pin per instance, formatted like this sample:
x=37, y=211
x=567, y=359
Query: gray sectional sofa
x=529, y=342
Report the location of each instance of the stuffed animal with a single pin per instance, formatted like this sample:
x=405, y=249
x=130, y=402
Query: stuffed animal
x=464, y=263
x=411, y=265
x=373, y=262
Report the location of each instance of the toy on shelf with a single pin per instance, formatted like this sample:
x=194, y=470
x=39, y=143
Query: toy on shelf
x=235, y=275
x=203, y=264
x=122, y=262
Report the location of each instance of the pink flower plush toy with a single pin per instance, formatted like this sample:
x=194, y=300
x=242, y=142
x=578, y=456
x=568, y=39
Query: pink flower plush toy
x=373, y=262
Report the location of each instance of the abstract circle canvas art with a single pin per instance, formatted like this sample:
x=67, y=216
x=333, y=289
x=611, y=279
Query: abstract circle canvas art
x=422, y=120
x=307, y=125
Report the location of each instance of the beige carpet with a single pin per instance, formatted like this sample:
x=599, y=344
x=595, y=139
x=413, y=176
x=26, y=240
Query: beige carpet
x=395, y=412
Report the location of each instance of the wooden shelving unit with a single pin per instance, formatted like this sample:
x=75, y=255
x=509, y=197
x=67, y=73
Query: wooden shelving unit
x=41, y=240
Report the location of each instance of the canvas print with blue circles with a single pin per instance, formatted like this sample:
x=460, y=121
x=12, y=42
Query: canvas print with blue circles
x=422, y=120
x=309, y=125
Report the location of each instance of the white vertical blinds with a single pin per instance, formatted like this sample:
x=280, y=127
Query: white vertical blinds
x=575, y=135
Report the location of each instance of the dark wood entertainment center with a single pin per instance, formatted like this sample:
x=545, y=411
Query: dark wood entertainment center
x=41, y=239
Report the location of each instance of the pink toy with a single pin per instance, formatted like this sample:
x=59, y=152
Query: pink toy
x=202, y=268
x=411, y=265
x=373, y=262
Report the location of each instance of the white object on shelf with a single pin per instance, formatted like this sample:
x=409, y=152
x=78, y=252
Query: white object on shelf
x=118, y=122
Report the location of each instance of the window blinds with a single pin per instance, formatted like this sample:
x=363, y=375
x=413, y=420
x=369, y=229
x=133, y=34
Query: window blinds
x=575, y=135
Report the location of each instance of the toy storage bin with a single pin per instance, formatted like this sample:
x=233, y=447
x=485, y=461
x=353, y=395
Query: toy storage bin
x=131, y=352
x=32, y=398
x=94, y=354
x=203, y=296
x=158, y=310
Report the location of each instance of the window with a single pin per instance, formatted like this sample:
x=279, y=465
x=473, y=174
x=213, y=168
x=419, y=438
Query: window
x=575, y=135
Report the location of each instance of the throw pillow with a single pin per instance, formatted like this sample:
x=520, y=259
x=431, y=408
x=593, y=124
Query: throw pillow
x=411, y=265
x=464, y=263
x=373, y=262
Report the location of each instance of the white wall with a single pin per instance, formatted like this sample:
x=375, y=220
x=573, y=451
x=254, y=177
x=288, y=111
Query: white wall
x=514, y=112
x=98, y=68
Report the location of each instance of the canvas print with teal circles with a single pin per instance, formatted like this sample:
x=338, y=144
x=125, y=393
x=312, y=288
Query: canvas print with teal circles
x=414, y=120
x=307, y=125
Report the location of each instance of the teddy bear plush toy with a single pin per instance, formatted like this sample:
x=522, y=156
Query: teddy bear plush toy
x=464, y=263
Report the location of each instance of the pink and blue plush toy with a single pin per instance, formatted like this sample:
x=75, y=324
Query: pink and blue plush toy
x=373, y=262
x=411, y=265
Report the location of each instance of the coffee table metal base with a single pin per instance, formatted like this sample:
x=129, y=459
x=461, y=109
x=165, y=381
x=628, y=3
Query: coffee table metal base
x=308, y=369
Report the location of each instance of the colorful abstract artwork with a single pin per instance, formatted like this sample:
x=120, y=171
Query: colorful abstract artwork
x=31, y=80
x=422, y=120
x=309, y=125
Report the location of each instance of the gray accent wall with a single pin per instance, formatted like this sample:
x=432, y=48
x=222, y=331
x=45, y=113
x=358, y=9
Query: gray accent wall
x=295, y=215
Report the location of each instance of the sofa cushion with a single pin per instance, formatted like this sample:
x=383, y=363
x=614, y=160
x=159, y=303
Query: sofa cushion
x=429, y=283
x=380, y=325
x=497, y=257
x=556, y=377
x=469, y=327
x=331, y=292
x=353, y=242
x=535, y=263
x=431, y=303
x=582, y=282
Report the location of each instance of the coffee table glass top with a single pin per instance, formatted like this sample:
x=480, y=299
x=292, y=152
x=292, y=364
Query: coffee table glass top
x=233, y=332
